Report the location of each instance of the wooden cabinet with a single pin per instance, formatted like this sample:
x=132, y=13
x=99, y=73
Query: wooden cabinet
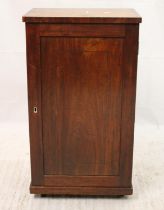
x=81, y=67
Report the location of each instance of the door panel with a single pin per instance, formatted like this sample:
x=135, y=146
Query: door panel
x=81, y=105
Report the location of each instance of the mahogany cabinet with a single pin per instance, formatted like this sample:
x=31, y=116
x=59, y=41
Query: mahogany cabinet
x=81, y=68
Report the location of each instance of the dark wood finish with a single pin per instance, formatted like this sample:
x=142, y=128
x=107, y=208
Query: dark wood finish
x=84, y=191
x=79, y=104
x=34, y=100
x=128, y=102
x=82, y=181
x=83, y=30
x=81, y=91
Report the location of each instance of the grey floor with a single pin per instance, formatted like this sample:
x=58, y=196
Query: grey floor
x=148, y=175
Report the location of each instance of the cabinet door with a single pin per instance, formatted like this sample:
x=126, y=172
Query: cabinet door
x=84, y=89
x=81, y=105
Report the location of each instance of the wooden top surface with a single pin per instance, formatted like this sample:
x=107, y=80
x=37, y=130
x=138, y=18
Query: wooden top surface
x=59, y=15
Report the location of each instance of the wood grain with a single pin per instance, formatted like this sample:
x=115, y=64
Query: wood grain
x=82, y=181
x=81, y=100
x=82, y=79
x=128, y=102
x=34, y=100
x=82, y=30
x=78, y=15
x=81, y=190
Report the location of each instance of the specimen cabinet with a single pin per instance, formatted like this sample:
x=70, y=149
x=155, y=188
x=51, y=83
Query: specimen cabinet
x=81, y=69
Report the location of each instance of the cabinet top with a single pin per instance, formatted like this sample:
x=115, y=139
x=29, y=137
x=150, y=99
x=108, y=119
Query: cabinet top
x=97, y=15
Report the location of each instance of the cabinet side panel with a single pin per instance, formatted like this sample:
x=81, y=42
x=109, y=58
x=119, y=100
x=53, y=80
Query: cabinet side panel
x=34, y=93
x=128, y=103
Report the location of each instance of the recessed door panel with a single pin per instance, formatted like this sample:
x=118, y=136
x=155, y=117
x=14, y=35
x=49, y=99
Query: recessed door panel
x=81, y=105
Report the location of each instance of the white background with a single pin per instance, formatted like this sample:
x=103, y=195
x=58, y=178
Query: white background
x=150, y=87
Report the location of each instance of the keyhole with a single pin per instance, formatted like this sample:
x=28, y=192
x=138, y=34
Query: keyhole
x=35, y=109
